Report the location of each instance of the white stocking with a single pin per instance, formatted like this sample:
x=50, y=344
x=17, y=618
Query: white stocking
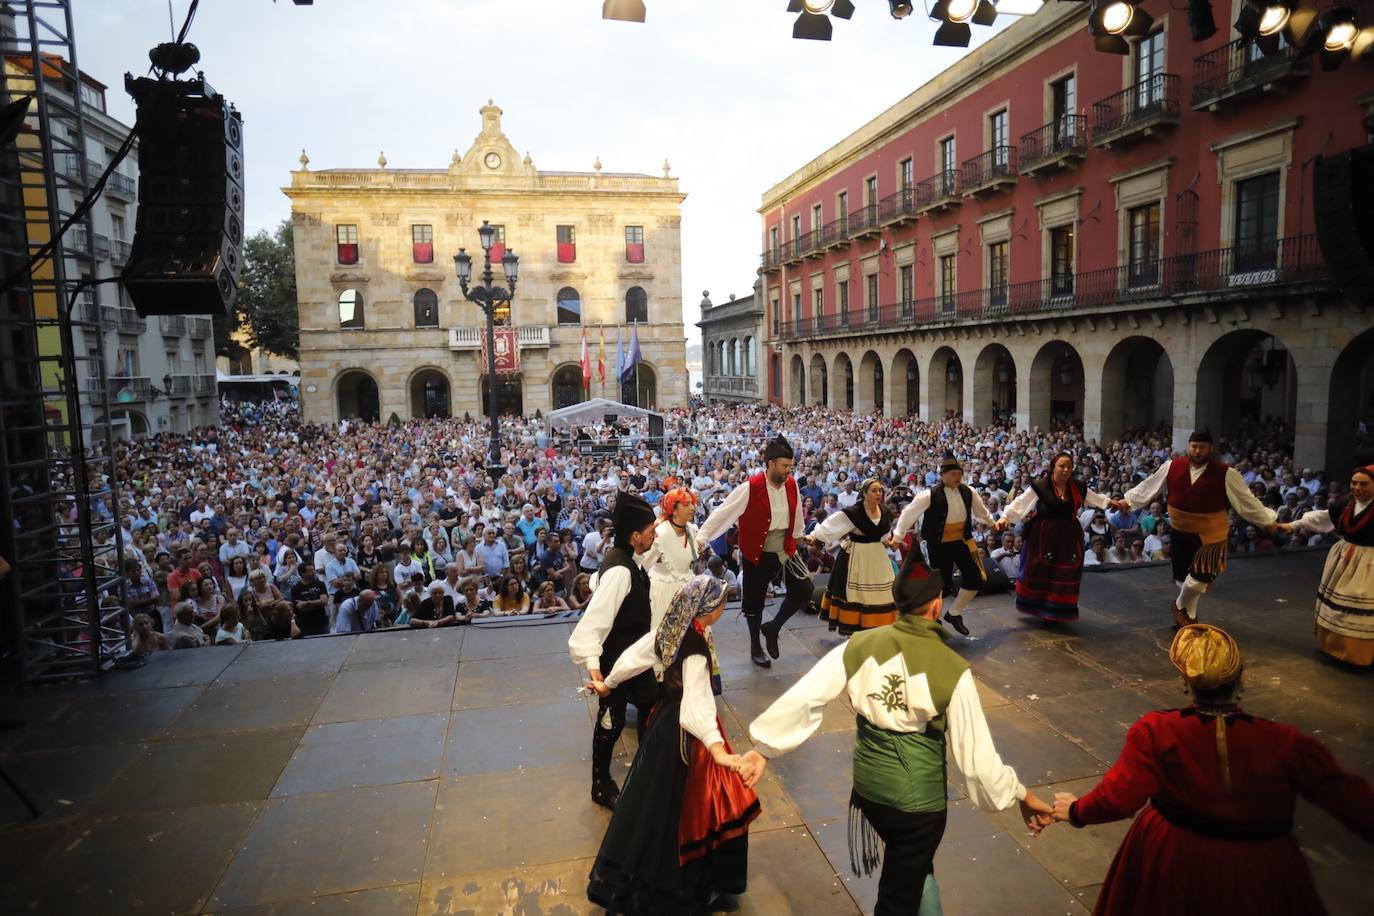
x=965, y=596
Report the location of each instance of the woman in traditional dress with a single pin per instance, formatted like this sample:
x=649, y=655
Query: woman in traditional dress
x=1216, y=790
x=1052, y=555
x=679, y=833
x=1345, y=597
x=859, y=596
x=670, y=560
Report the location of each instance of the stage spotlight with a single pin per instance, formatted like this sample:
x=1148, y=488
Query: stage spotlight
x=813, y=21
x=1332, y=36
x=1112, y=21
x=1264, y=21
x=1201, y=24
x=1273, y=19
x=954, y=17
x=959, y=10
x=900, y=8
x=623, y=10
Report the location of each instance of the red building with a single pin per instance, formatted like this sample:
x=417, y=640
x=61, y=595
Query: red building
x=1129, y=238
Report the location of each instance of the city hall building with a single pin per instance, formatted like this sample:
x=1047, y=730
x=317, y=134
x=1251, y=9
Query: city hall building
x=1047, y=232
x=385, y=328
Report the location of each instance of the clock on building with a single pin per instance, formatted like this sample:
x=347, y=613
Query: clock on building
x=493, y=160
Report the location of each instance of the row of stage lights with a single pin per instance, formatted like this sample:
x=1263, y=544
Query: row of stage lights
x=1334, y=32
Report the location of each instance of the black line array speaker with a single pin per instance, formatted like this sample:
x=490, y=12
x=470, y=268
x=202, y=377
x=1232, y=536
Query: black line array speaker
x=1343, y=203
x=188, y=241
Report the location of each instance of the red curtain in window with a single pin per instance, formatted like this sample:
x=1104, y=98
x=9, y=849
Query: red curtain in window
x=348, y=253
x=567, y=252
x=423, y=252
x=634, y=252
x=498, y=251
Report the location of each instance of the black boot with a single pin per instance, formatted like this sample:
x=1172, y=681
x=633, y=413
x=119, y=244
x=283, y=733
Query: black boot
x=604, y=790
x=756, y=650
x=770, y=637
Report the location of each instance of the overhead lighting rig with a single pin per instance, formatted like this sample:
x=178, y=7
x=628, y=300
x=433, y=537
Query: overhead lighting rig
x=954, y=17
x=813, y=21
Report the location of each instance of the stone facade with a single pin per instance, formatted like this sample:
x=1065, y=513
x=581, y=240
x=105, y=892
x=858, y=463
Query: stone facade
x=428, y=360
x=731, y=348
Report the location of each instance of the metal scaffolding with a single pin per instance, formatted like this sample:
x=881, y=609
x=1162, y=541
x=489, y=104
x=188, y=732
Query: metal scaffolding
x=64, y=602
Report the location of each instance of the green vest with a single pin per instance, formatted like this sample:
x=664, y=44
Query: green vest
x=905, y=770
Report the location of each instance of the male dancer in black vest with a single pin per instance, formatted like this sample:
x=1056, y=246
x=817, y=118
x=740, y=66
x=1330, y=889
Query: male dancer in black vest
x=947, y=513
x=617, y=615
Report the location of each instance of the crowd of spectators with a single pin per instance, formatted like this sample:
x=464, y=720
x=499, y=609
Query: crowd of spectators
x=269, y=528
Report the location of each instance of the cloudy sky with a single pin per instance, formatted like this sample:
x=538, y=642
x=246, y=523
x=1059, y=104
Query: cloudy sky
x=718, y=87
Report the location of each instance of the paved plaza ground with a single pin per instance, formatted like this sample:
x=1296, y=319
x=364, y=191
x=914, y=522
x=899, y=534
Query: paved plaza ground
x=447, y=773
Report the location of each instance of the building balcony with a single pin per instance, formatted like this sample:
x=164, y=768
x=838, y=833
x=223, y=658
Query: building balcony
x=771, y=260
x=938, y=192
x=530, y=337
x=811, y=246
x=199, y=327
x=897, y=209
x=124, y=389
x=77, y=242
x=1137, y=112
x=1239, y=71
x=102, y=246
x=989, y=172
x=172, y=325
x=119, y=251
x=1062, y=143
x=835, y=234
x=182, y=386
x=130, y=321
x=864, y=223
x=121, y=186
x=205, y=384
x=792, y=250
x=1239, y=273
x=731, y=384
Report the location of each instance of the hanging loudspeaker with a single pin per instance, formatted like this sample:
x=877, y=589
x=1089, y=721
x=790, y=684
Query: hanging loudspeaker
x=1343, y=204
x=188, y=241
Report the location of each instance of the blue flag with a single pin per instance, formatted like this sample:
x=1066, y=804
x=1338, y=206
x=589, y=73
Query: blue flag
x=619, y=355
x=634, y=357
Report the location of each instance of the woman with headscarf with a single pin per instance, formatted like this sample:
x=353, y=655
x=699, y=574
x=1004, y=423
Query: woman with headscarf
x=1052, y=555
x=670, y=560
x=1216, y=790
x=1345, y=596
x=679, y=834
x=859, y=596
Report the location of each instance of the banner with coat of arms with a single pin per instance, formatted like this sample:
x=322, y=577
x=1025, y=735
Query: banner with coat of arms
x=507, y=350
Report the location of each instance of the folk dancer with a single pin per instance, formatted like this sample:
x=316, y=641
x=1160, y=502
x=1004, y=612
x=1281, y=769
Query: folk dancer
x=1052, y=559
x=1201, y=493
x=1215, y=789
x=670, y=561
x=617, y=615
x=1345, y=596
x=913, y=695
x=679, y=837
x=767, y=508
x=947, y=513
x=859, y=596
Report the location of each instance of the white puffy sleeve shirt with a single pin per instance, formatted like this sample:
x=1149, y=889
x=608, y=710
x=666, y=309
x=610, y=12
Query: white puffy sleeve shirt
x=698, y=711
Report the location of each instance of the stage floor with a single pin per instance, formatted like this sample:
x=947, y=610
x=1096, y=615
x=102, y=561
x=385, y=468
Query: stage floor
x=447, y=773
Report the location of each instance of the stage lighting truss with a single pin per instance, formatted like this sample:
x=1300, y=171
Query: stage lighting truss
x=813, y=19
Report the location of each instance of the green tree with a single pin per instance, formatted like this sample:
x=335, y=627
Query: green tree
x=266, y=306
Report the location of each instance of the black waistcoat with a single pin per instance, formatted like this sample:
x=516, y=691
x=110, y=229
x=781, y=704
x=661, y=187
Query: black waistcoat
x=632, y=618
x=933, y=522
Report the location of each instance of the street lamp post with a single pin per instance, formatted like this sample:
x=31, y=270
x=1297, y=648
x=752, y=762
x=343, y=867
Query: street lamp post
x=491, y=300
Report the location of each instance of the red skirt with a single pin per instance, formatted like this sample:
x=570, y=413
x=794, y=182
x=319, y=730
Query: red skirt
x=1165, y=870
x=716, y=806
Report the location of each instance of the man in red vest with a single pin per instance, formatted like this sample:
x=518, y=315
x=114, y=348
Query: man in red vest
x=769, y=526
x=1202, y=492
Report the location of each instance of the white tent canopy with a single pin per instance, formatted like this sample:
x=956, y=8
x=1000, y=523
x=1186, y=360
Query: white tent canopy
x=594, y=411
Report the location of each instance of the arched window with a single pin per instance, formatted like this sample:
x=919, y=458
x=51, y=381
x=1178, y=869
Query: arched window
x=636, y=306
x=351, y=310
x=733, y=359
x=750, y=358
x=569, y=306
x=426, y=309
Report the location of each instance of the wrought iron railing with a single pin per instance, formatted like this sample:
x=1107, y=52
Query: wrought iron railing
x=864, y=220
x=772, y=258
x=129, y=320
x=938, y=188
x=205, y=384
x=1064, y=135
x=1151, y=99
x=121, y=185
x=199, y=327
x=1245, y=270
x=834, y=232
x=894, y=207
x=985, y=168
x=1238, y=65
x=172, y=325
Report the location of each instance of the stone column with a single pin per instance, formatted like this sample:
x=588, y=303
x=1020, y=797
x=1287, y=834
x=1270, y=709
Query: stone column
x=1314, y=406
x=1186, y=401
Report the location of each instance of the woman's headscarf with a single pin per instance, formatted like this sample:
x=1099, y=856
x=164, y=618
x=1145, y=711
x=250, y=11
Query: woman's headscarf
x=676, y=497
x=699, y=596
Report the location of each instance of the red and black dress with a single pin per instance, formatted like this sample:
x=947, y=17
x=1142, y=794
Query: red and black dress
x=1201, y=846
x=679, y=835
x=1052, y=556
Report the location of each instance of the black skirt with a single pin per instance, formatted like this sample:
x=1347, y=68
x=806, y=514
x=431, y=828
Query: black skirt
x=638, y=868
